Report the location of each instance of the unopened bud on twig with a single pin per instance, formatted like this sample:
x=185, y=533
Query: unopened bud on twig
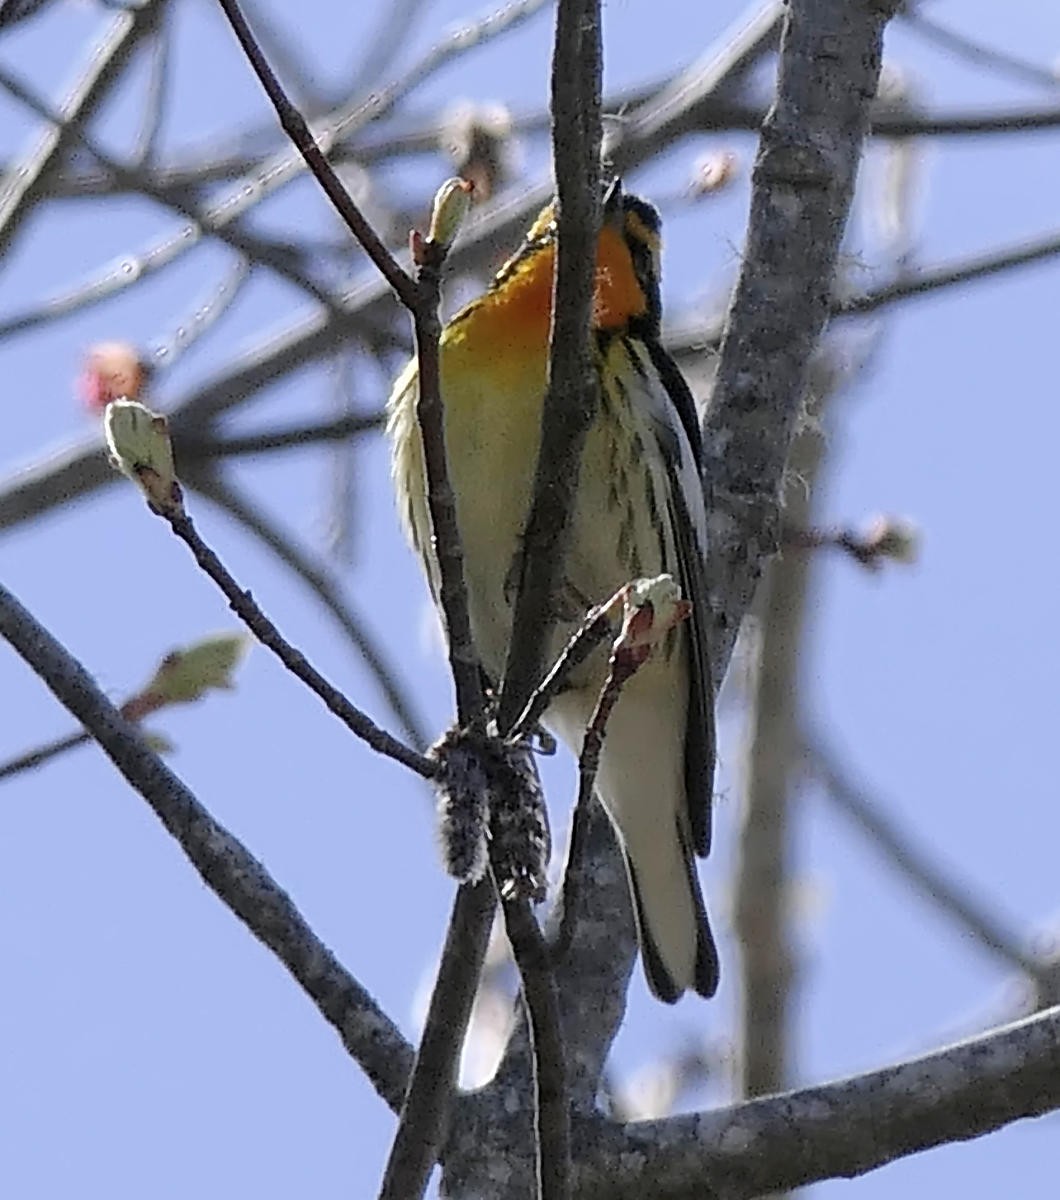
x=650, y=609
x=451, y=204
x=892, y=537
x=139, y=445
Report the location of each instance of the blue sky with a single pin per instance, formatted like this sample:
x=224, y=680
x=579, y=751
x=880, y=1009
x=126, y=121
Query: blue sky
x=150, y=1045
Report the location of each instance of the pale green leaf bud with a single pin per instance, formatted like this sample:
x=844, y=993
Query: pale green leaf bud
x=140, y=447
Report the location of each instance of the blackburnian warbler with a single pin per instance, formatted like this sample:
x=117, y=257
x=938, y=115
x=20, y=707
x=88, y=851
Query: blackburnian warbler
x=639, y=511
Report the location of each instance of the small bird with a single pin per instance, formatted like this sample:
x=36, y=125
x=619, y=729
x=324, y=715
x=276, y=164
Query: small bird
x=638, y=511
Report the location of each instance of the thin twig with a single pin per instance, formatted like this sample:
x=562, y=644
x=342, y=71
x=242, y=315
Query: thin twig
x=918, y=867
x=420, y=296
x=720, y=114
x=250, y=613
x=965, y=123
x=570, y=404
x=552, y=1132
x=691, y=340
x=42, y=754
x=207, y=314
x=288, y=437
x=763, y=875
x=226, y=496
x=422, y=1128
x=424, y=1118
x=294, y=125
x=441, y=501
x=961, y=270
x=222, y=861
x=649, y=612
x=426, y=1108
x=108, y=60
x=589, y=634
x=979, y=53
x=571, y=400
x=154, y=104
x=619, y=671
x=254, y=247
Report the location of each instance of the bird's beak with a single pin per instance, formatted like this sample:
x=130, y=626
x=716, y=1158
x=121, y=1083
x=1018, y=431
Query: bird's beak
x=612, y=206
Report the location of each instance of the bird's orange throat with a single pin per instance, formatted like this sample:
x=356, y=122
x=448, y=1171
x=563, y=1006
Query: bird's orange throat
x=514, y=315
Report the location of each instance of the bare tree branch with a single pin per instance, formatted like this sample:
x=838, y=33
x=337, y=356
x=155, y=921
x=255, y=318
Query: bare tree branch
x=251, y=614
x=320, y=582
x=548, y=1056
x=425, y=1112
x=976, y=52
x=919, y=868
x=269, y=175
x=945, y=275
x=79, y=469
x=763, y=886
x=571, y=400
x=39, y=755
x=591, y=927
x=717, y=112
x=294, y=125
x=106, y=64
x=680, y=107
x=840, y=1130
x=692, y=339
x=206, y=314
x=253, y=247
x=965, y=123
x=569, y=407
x=340, y=429
x=802, y=188
x=224, y=864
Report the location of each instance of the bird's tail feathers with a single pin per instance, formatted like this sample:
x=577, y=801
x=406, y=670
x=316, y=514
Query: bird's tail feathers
x=676, y=942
